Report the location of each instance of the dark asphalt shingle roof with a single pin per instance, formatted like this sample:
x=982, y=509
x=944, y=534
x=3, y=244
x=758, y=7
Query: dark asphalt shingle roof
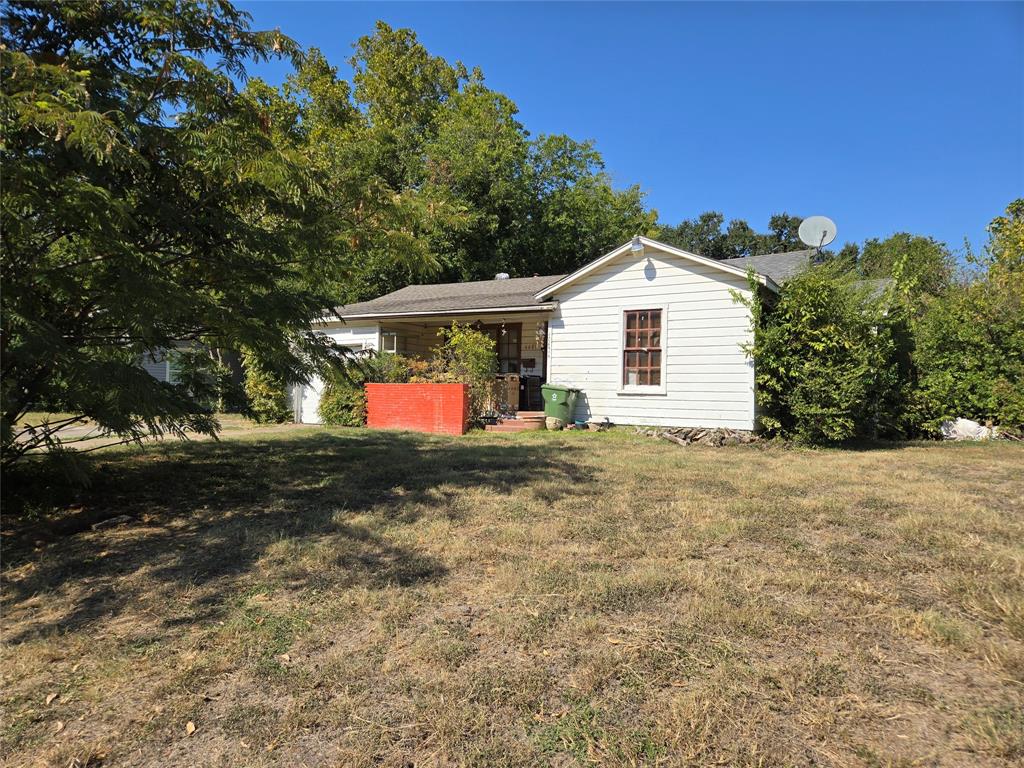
x=777, y=266
x=519, y=291
x=447, y=297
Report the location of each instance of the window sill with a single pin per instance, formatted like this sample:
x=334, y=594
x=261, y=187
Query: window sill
x=642, y=391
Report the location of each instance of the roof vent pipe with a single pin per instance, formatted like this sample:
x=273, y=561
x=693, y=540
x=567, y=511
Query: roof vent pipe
x=501, y=276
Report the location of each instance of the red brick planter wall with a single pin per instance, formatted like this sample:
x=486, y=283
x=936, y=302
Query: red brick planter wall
x=442, y=408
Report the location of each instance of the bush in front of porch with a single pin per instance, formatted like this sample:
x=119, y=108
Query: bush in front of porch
x=343, y=400
x=465, y=355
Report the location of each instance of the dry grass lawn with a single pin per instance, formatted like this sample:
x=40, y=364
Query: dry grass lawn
x=338, y=597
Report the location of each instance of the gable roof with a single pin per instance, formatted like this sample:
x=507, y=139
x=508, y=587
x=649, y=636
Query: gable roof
x=524, y=294
x=777, y=266
x=723, y=265
x=516, y=293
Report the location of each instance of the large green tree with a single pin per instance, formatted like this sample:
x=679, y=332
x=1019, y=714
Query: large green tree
x=704, y=235
x=149, y=203
x=499, y=199
x=918, y=264
x=970, y=337
x=576, y=212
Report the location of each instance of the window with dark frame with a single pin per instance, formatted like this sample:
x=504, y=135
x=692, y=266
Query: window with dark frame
x=641, y=355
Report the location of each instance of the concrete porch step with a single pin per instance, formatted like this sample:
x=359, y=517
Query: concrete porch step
x=515, y=425
x=530, y=415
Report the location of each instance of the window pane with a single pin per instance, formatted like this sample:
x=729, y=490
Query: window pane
x=173, y=366
x=641, y=359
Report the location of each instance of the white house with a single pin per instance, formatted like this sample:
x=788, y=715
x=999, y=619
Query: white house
x=649, y=333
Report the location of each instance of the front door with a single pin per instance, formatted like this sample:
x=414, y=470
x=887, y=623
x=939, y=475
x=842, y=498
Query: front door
x=508, y=343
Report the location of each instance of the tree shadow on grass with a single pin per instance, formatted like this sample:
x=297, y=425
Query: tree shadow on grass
x=205, y=514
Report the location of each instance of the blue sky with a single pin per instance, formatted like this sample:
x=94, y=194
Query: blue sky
x=884, y=116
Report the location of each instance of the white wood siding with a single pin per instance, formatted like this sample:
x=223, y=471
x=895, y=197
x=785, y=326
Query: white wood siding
x=156, y=366
x=708, y=380
x=356, y=337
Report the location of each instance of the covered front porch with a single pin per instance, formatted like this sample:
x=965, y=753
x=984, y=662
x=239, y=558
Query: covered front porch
x=407, y=322
x=520, y=340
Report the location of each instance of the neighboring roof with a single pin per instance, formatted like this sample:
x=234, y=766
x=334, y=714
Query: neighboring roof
x=780, y=267
x=516, y=293
x=586, y=269
x=876, y=286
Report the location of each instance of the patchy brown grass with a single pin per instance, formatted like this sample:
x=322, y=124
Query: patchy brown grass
x=338, y=597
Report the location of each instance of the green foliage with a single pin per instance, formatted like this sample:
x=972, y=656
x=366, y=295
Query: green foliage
x=499, y=200
x=206, y=379
x=465, y=355
x=829, y=360
x=834, y=359
x=148, y=204
x=970, y=340
x=343, y=400
x=266, y=391
x=919, y=265
x=468, y=356
x=402, y=87
x=704, y=236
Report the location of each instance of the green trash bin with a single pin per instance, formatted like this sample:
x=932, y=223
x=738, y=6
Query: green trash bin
x=559, y=401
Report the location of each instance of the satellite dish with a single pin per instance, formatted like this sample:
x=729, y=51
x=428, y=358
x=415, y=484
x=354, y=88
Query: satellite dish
x=817, y=231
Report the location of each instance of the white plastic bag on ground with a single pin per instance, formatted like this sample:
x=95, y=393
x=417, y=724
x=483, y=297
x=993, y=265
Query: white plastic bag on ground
x=965, y=429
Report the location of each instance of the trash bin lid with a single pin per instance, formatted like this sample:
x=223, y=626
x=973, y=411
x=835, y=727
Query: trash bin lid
x=558, y=388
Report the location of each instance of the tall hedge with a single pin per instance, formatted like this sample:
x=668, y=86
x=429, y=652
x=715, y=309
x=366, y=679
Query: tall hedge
x=266, y=393
x=830, y=359
x=343, y=400
x=835, y=358
x=970, y=340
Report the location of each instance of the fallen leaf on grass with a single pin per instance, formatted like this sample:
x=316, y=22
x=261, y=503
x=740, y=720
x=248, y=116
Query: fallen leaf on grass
x=50, y=697
x=285, y=657
x=616, y=640
x=190, y=728
x=60, y=726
